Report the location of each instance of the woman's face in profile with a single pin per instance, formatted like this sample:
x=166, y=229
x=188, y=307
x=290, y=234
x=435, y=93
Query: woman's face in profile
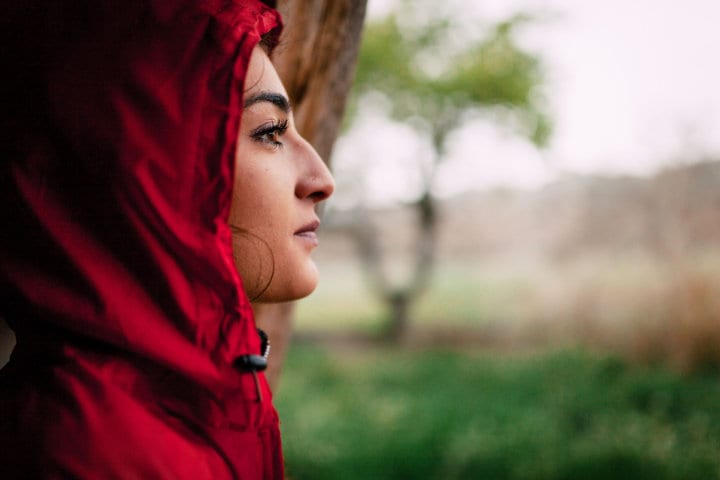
x=279, y=178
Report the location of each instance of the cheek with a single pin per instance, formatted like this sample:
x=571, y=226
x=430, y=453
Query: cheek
x=254, y=260
x=252, y=199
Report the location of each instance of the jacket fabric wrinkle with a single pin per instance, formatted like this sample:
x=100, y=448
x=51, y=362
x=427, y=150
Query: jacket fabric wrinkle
x=116, y=264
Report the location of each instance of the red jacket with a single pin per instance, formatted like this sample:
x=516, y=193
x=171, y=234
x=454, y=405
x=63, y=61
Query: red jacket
x=120, y=121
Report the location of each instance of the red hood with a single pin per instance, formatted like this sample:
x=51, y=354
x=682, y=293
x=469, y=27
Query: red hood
x=121, y=121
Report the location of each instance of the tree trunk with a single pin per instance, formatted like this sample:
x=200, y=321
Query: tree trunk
x=399, y=298
x=400, y=315
x=316, y=62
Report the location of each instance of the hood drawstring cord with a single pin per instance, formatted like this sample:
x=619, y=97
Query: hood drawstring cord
x=256, y=363
x=257, y=387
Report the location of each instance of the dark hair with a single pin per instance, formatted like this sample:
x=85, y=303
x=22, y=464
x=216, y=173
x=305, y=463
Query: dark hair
x=270, y=40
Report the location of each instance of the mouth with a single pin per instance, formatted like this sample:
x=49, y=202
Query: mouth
x=309, y=232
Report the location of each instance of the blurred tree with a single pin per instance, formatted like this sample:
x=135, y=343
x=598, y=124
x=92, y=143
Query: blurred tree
x=433, y=73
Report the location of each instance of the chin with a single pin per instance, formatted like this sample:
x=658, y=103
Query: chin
x=291, y=287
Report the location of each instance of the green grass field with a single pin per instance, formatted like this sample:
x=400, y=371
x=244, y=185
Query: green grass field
x=382, y=413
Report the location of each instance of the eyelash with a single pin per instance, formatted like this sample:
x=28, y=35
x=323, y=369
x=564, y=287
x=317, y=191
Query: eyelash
x=269, y=134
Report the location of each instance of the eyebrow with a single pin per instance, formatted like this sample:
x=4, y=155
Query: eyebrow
x=277, y=99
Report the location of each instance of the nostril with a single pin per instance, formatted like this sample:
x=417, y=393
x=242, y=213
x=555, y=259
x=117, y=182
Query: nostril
x=319, y=196
x=319, y=188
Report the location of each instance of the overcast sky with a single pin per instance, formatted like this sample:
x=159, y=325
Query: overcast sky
x=632, y=85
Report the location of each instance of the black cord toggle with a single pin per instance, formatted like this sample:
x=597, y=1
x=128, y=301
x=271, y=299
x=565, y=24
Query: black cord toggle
x=255, y=363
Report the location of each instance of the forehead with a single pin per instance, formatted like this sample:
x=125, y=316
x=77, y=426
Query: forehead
x=261, y=74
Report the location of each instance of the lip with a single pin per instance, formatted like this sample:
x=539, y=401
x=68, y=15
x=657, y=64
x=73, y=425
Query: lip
x=309, y=231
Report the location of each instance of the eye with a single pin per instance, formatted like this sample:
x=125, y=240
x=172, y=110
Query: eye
x=270, y=133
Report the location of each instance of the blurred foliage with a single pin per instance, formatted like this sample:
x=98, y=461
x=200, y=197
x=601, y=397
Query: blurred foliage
x=434, y=71
x=387, y=414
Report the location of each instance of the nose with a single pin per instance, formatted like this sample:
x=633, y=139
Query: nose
x=315, y=182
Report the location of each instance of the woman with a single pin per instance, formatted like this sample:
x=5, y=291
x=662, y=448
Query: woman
x=128, y=183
